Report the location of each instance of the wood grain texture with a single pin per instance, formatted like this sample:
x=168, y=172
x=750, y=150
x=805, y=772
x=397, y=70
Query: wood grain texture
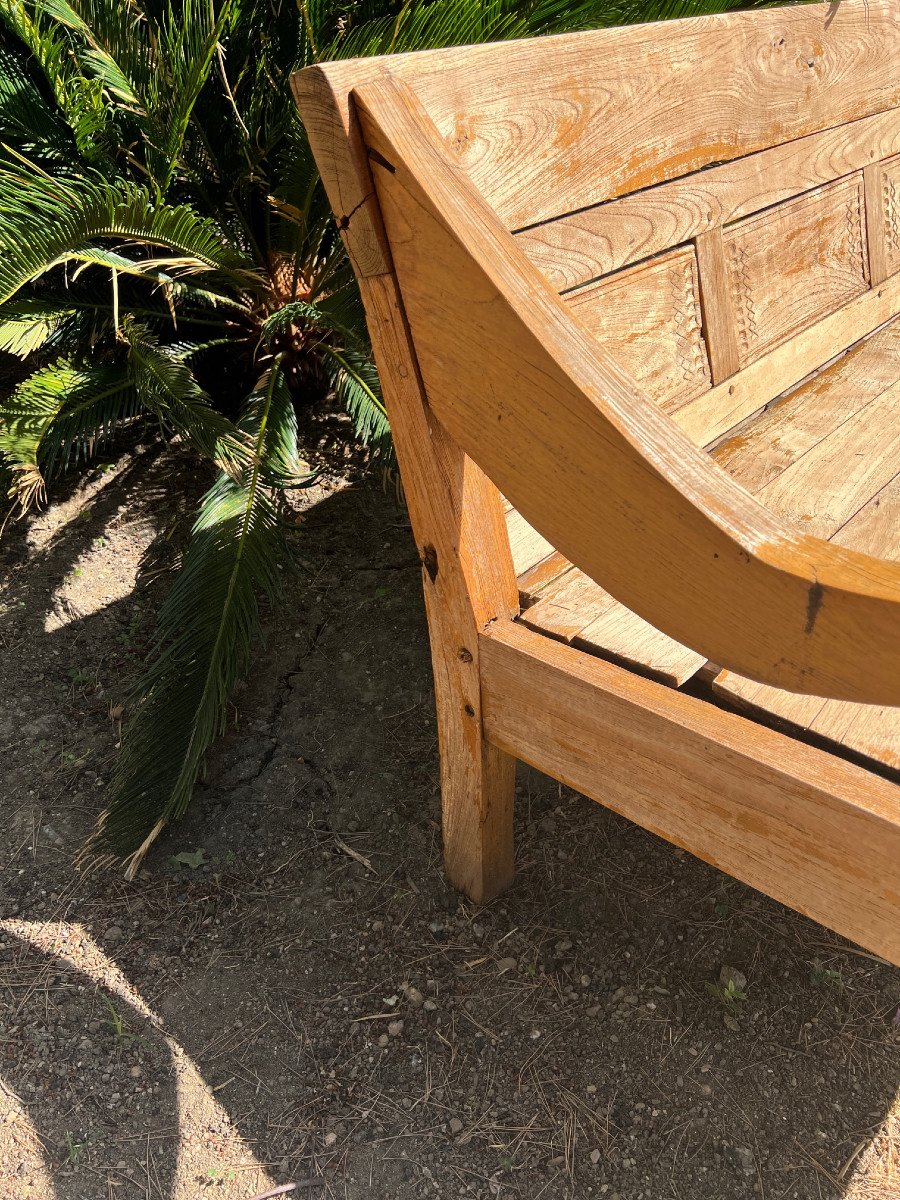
x=796, y=263
x=829, y=456
x=806, y=828
x=622, y=635
x=574, y=609
x=719, y=323
x=527, y=546
x=713, y=414
x=837, y=476
x=460, y=530
x=591, y=116
x=890, y=176
x=876, y=222
x=566, y=605
x=696, y=556
x=649, y=320
x=868, y=730
x=572, y=249
x=768, y=446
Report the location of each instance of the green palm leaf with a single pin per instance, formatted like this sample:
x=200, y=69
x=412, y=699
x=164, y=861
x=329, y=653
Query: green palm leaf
x=28, y=325
x=55, y=412
x=165, y=384
x=355, y=381
x=206, y=630
x=43, y=220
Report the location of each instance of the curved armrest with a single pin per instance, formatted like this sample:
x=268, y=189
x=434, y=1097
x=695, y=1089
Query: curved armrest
x=593, y=464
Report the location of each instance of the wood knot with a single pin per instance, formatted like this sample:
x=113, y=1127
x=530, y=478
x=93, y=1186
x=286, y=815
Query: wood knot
x=465, y=655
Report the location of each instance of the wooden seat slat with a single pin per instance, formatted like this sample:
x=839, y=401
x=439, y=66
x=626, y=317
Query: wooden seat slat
x=767, y=446
x=832, y=481
x=848, y=475
x=526, y=544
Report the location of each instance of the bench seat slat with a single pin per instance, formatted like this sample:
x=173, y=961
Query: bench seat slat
x=842, y=483
x=766, y=446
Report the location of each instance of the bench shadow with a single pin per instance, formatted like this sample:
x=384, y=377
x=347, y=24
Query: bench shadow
x=354, y=1026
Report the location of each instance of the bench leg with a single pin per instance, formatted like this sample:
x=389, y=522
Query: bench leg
x=477, y=795
x=478, y=781
x=469, y=579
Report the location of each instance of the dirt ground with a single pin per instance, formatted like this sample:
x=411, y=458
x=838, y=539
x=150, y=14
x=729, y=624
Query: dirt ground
x=291, y=994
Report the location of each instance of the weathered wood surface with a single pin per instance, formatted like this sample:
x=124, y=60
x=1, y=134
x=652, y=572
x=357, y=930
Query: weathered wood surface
x=649, y=320
x=714, y=413
x=592, y=116
x=829, y=457
x=575, y=610
x=719, y=317
x=796, y=263
x=572, y=249
x=801, y=825
x=467, y=571
x=890, y=200
x=696, y=557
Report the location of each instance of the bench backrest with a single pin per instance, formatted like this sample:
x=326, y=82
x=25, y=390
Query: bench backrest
x=699, y=193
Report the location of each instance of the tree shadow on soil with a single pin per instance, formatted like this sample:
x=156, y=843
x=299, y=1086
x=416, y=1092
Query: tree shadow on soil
x=357, y=1028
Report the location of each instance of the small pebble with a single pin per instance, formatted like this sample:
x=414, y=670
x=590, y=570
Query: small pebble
x=395, y=1028
x=455, y=1125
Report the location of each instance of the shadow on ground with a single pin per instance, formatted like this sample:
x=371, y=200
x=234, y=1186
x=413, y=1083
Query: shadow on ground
x=290, y=993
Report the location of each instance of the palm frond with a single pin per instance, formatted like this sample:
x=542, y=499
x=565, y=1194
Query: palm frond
x=58, y=411
x=26, y=118
x=188, y=39
x=165, y=384
x=79, y=99
x=43, y=219
x=30, y=324
x=355, y=381
x=206, y=630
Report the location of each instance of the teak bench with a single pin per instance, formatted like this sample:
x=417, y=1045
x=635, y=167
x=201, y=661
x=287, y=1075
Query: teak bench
x=634, y=300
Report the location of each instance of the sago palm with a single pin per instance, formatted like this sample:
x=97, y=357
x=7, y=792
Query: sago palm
x=166, y=253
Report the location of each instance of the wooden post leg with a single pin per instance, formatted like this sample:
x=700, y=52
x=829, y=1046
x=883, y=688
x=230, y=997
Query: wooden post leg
x=479, y=855
x=477, y=779
x=467, y=569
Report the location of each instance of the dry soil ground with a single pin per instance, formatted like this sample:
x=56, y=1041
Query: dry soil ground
x=290, y=993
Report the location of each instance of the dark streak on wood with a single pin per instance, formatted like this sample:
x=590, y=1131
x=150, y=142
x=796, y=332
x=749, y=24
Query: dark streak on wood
x=813, y=605
x=430, y=561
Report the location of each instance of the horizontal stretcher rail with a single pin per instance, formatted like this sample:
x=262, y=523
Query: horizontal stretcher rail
x=804, y=826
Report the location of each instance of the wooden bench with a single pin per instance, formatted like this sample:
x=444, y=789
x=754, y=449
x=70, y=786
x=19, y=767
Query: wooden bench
x=634, y=299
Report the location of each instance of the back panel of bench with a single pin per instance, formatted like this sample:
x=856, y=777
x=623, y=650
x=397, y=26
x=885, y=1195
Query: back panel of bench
x=557, y=125
x=701, y=191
